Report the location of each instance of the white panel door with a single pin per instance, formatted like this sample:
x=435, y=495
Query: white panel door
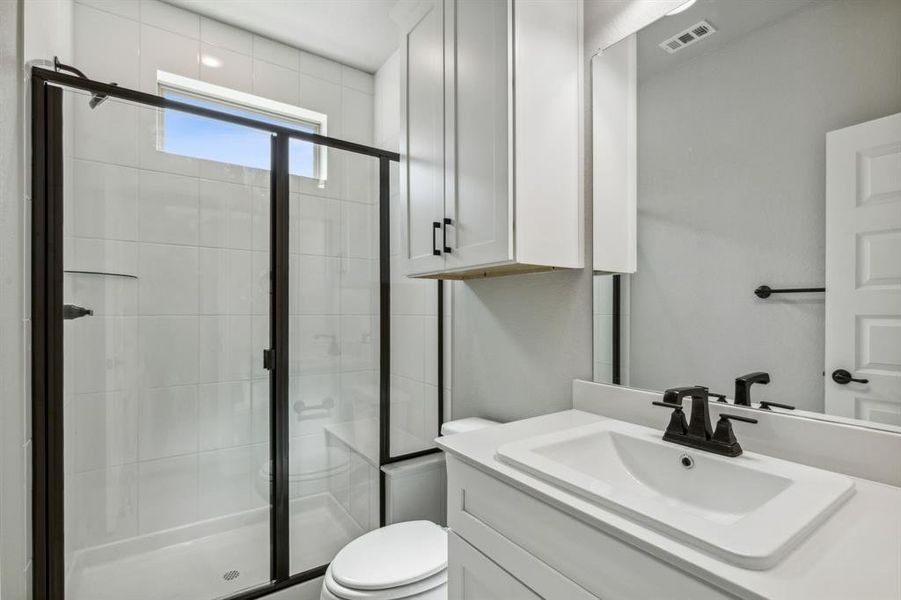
x=478, y=62
x=422, y=138
x=863, y=270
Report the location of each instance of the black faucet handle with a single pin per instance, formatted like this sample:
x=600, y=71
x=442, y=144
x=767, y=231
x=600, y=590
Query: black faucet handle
x=766, y=404
x=678, y=425
x=725, y=437
x=672, y=405
x=737, y=418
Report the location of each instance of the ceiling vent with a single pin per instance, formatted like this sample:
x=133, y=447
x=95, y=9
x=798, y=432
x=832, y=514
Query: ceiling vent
x=696, y=32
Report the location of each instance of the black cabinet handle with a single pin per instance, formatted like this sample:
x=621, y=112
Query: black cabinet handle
x=843, y=377
x=447, y=222
x=435, y=227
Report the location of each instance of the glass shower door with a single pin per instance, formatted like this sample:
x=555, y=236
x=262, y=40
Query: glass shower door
x=166, y=401
x=334, y=358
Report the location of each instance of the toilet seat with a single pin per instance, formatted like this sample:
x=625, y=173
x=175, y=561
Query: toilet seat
x=436, y=582
x=398, y=561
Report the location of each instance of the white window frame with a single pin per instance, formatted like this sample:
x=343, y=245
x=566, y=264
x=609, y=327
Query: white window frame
x=252, y=104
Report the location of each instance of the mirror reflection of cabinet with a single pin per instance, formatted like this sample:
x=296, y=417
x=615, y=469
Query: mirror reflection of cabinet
x=490, y=167
x=614, y=109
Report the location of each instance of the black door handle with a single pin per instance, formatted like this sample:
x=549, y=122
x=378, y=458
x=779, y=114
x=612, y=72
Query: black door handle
x=435, y=227
x=843, y=377
x=70, y=312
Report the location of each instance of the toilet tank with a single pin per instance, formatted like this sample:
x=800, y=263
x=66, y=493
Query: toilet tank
x=464, y=425
x=417, y=488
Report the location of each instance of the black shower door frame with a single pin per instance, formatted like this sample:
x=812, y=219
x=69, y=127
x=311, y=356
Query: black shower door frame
x=47, y=326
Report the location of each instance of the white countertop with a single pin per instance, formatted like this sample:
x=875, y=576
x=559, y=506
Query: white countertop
x=854, y=555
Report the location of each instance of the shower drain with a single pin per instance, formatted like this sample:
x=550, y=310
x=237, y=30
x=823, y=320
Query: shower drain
x=231, y=575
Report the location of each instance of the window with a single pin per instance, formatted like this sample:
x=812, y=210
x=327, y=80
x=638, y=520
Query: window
x=199, y=137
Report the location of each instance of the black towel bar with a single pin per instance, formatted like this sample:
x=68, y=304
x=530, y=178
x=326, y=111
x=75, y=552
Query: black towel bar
x=765, y=291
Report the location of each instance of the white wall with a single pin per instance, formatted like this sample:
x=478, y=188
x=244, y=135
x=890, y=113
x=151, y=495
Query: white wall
x=15, y=431
x=731, y=196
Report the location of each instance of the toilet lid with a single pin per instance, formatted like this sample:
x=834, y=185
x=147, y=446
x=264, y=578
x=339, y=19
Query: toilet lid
x=392, y=556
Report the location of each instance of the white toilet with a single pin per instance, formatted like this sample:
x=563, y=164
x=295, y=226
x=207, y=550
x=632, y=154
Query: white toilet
x=404, y=560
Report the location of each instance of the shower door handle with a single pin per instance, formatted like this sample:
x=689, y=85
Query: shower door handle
x=71, y=312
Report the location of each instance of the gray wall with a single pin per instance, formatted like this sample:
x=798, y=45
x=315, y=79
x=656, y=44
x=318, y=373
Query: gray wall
x=731, y=195
x=518, y=342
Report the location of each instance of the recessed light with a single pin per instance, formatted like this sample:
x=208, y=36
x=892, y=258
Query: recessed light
x=681, y=8
x=210, y=61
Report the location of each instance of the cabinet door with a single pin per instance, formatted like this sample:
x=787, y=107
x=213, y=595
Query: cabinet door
x=422, y=138
x=477, y=103
x=471, y=574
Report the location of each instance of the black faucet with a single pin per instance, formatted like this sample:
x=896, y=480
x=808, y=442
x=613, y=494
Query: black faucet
x=743, y=386
x=698, y=433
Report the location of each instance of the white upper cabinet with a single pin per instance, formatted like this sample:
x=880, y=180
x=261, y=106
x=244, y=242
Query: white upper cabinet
x=422, y=135
x=490, y=137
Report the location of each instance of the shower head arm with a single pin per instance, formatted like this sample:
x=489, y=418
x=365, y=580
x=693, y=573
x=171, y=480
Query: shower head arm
x=60, y=66
x=96, y=98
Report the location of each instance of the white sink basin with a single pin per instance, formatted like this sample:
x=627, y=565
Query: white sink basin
x=750, y=510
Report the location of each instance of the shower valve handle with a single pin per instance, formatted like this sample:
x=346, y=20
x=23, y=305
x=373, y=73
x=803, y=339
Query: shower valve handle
x=70, y=312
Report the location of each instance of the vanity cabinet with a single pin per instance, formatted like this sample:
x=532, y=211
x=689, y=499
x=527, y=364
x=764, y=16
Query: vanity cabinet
x=471, y=574
x=490, y=137
x=506, y=543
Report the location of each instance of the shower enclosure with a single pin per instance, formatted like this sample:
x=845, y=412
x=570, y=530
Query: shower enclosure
x=211, y=391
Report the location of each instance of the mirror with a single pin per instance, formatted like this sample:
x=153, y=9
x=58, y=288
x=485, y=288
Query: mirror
x=768, y=168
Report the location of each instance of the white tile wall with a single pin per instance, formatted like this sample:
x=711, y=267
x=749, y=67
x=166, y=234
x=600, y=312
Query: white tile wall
x=276, y=53
x=168, y=17
x=105, y=200
x=167, y=422
x=170, y=406
x=603, y=328
x=167, y=492
x=226, y=68
x=232, y=38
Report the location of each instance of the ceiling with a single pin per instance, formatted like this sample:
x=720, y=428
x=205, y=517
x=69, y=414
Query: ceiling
x=358, y=33
x=731, y=18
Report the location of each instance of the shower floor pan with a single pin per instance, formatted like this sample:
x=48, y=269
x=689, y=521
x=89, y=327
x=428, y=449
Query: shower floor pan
x=210, y=559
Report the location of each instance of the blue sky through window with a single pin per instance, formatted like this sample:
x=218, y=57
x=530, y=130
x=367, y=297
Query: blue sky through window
x=199, y=137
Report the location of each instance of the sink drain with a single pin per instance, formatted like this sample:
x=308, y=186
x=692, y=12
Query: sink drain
x=231, y=575
x=687, y=461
